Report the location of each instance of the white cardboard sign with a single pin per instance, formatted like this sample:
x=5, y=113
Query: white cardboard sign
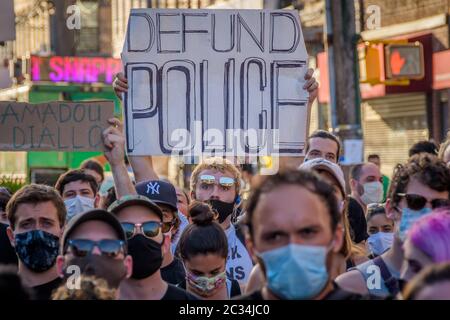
x=222, y=82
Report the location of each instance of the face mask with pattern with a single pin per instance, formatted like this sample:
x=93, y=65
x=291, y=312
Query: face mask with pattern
x=37, y=249
x=206, y=285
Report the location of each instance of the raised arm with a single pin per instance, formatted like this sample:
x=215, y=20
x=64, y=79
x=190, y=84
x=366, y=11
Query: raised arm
x=312, y=87
x=142, y=165
x=114, y=142
x=143, y=168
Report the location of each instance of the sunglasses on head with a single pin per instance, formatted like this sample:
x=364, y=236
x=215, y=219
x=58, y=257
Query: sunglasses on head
x=223, y=181
x=149, y=229
x=417, y=202
x=107, y=247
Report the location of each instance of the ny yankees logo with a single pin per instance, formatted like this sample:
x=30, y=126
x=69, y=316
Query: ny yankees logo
x=153, y=187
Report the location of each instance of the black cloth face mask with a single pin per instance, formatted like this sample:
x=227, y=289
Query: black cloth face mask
x=146, y=254
x=223, y=209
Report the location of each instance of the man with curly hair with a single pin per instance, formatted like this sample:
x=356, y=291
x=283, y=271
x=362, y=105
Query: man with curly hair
x=418, y=187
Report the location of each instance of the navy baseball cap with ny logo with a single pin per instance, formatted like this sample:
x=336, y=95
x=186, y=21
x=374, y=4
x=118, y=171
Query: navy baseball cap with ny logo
x=159, y=191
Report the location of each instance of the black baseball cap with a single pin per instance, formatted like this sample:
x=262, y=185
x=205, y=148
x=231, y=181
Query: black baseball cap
x=134, y=200
x=159, y=191
x=92, y=215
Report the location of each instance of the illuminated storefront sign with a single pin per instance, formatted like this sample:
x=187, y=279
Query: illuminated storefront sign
x=74, y=69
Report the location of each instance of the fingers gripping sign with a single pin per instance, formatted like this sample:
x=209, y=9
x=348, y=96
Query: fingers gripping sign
x=311, y=85
x=120, y=84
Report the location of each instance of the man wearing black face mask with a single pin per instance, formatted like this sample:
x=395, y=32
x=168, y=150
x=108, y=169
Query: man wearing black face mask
x=141, y=220
x=94, y=244
x=165, y=196
x=36, y=215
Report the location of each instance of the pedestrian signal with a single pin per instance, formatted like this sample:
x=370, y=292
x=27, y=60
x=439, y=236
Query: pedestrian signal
x=404, y=61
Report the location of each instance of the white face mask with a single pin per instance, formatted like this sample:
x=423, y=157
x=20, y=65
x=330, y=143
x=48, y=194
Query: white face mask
x=373, y=192
x=78, y=205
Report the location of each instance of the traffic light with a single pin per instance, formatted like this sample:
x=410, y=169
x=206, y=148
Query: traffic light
x=370, y=63
x=404, y=61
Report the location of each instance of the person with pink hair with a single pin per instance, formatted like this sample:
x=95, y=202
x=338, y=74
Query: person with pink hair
x=427, y=243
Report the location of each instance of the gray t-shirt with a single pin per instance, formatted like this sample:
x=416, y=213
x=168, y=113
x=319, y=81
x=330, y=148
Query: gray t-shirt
x=373, y=278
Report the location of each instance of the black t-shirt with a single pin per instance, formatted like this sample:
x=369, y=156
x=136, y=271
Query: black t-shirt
x=44, y=291
x=174, y=273
x=7, y=252
x=357, y=221
x=235, y=289
x=174, y=293
x=336, y=294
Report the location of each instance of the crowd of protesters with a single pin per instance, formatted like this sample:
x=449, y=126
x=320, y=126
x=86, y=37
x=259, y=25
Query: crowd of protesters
x=302, y=233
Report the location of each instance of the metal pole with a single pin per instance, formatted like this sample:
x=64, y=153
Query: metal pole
x=343, y=69
x=331, y=72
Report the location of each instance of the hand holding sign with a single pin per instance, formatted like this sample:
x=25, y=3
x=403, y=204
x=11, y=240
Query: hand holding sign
x=311, y=85
x=120, y=85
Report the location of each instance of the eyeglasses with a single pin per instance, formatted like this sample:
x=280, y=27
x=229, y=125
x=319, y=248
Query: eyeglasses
x=211, y=180
x=107, y=247
x=149, y=229
x=418, y=202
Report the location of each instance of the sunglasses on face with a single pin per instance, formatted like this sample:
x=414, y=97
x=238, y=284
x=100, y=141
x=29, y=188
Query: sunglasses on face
x=417, y=202
x=149, y=229
x=107, y=247
x=211, y=180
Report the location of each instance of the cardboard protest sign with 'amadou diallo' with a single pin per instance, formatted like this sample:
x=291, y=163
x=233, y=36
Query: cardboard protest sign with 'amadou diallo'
x=54, y=126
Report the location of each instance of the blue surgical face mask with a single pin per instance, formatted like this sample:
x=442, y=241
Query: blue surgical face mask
x=380, y=242
x=409, y=217
x=296, y=271
x=37, y=249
